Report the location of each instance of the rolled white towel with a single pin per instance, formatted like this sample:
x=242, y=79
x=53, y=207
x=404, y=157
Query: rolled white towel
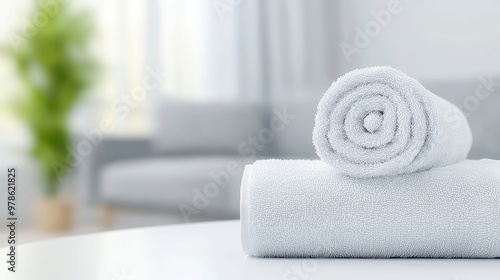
x=299, y=208
x=378, y=121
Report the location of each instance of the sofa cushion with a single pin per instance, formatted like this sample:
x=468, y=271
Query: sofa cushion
x=201, y=185
x=205, y=127
x=295, y=141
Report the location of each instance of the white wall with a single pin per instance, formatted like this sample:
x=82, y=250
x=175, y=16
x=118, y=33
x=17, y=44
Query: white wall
x=448, y=39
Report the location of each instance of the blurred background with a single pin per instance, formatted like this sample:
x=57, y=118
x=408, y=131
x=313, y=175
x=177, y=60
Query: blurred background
x=128, y=113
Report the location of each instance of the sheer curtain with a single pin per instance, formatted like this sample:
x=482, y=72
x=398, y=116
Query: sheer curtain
x=248, y=50
x=221, y=49
x=212, y=50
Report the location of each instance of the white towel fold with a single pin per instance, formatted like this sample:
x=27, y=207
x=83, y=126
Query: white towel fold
x=304, y=209
x=378, y=121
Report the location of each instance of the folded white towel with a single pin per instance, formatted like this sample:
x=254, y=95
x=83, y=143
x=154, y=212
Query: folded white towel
x=303, y=209
x=378, y=121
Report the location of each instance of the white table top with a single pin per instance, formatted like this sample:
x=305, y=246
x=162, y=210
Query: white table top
x=210, y=251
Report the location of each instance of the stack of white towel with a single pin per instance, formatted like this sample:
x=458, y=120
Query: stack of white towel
x=392, y=180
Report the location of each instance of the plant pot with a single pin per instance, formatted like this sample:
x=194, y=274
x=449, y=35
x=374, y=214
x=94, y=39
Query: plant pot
x=54, y=214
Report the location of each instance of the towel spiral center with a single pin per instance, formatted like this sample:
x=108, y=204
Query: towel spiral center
x=373, y=121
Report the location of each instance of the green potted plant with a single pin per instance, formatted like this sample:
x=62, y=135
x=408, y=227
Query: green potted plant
x=55, y=67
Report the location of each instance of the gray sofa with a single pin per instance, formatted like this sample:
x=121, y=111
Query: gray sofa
x=191, y=167
x=194, y=141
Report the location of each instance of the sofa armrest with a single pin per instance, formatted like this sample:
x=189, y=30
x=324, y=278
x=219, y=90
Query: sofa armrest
x=116, y=149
